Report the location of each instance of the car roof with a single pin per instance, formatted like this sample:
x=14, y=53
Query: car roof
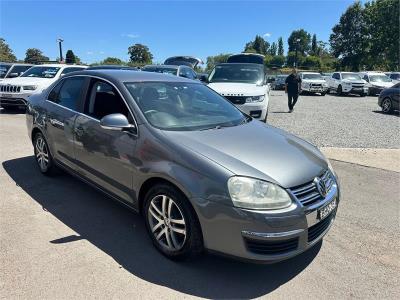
x=60, y=65
x=112, y=67
x=15, y=64
x=129, y=76
x=164, y=66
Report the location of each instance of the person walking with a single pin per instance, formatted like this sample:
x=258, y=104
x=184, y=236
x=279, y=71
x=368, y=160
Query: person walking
x=292, y=88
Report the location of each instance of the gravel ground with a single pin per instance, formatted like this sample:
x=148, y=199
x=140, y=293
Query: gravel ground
x=61, y=239
x=334, y=121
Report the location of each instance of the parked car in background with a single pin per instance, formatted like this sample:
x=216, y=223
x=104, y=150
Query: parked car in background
x=377, y=82
x=203, y=174
x=389, y=98
x=395, y=76
x=12, y=70
x=113, y=67
x=326, y=76
x=347, y=83
x=181, y=71
x=313, y=83
x=243, y=84
x=15, y=92
x=279, y=83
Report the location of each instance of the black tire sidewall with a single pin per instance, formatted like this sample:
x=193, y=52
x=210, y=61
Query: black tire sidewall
x=50, y=164
x=194, y=241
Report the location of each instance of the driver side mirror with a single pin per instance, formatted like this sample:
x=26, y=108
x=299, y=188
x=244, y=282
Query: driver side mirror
x=203, y=78
x=116, y=122
x=13, y=75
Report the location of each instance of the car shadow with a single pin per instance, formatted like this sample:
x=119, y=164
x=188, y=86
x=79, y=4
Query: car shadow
x=121, y=234
x=395, y=113
x=12, y=111
x=279, y=112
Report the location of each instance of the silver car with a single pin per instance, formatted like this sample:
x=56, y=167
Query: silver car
x=204, y=175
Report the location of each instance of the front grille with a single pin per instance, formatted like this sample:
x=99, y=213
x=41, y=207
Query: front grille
x=12, y=101
x=316, y=230
x=357, y=85
x=308, y=194
x=316, y=85
x=271, y=247
x=236, y=99
x=10, y=88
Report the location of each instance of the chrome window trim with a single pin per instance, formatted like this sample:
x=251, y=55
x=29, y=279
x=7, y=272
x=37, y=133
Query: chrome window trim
x=85, y=115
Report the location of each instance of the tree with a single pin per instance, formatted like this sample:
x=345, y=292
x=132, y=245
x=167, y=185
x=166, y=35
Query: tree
x=314, y=46
x=291, y=57
x=140, y=55
x=217, y=59
x=70, y=57
x=272, y=50
x=6, y=54
x=259, y=45
x=281, y=51
x=112, y=61
x=311, y=62
x=349, y=38
x=277, y=61
x=35, y=56
x=301, y=40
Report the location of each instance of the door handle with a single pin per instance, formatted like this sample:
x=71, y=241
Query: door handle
x=56, y=123
x=79, y=131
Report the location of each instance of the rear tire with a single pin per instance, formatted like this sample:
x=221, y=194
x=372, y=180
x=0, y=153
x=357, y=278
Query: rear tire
x=339, y=90
x=172, y=223
x=43, y=156
x=323, y=94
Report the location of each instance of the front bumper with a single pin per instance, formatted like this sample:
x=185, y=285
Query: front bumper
x=14, y=99
x=256, y=110
x=313, y=89
x=354, y=90
x=374, y=90
x=263, y=237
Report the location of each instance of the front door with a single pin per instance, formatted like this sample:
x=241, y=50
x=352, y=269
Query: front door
x=61, y=110
x=105, y=156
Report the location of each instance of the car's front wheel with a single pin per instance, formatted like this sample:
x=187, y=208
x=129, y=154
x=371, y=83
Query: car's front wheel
x=339, y=90
x=387, y=106
x=172, y=223
x=42, y=155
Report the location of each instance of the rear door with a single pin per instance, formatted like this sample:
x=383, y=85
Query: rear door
x=62, y=106
x=106, y=157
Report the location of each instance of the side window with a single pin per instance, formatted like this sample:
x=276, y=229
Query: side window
x=366, y=78
x=182, y=72
x=69, y=70
x=103, y=99
x=336, y=76
x=67, y=92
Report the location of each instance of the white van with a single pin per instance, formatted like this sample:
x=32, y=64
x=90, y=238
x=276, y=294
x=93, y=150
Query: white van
x=242, y=81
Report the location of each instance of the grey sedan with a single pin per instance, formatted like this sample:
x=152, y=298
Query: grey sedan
x=204, y=175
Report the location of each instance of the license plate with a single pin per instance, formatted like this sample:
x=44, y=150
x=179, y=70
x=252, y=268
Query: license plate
x=358, y=89
x=326, y=210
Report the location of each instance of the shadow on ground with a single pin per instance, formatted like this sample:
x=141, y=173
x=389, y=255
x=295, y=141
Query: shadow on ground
x=121, y=234
x=12, y=111
x=395, y=113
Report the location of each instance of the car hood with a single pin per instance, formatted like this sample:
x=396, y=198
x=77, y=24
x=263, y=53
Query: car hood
x=256, y=150
x=29, y=81
x=382, y=84
x=237, y=89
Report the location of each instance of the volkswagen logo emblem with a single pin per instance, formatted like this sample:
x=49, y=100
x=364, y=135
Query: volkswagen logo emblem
x=321, y=187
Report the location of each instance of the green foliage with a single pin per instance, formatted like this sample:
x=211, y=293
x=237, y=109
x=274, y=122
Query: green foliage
x=281, y=51
x=140, y=55
x=6, y=54
x=272, y=50
x=217, y=59
x=301, y=40
x=112, y=61
x=259, y=45
x=311, y=62
x=314, y=46
x=35, y=56
x=290, y=59
x=70, y=57
x=367, y=37
x=277, y=61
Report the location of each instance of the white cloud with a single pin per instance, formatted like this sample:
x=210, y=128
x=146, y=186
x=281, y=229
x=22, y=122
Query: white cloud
x=89, y=53
x=130, y=35
x=101, y=52
x=267, y=35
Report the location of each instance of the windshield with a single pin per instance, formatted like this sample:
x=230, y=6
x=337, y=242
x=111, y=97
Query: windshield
x=3, y=70
x=313, y=76
x=246, y=73
x=42, y=72
x=379, y=78
x=281, y=78
x=184, y=106
x=172, y=71
x=395, y=76
x=353, y=76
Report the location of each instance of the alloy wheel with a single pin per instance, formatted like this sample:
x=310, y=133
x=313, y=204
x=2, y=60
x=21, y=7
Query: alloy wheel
x=167, y=223
x=42, y=153
x=386, y=105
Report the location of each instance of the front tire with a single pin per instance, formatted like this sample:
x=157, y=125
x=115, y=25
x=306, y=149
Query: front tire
x=339, y=90
x=172, y=223
x=387, y=105
x=42, y=155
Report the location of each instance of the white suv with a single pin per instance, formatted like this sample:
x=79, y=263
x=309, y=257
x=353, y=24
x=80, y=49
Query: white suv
x=242, y=81
x=313, y=83
x=347, y=83
x=377, y=81
x=15, y=92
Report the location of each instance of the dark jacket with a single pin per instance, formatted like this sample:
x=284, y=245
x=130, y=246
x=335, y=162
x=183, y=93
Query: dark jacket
x=293, y=84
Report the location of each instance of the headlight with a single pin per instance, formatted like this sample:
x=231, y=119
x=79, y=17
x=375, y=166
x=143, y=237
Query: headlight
x=347, y=83
x=257, y=194
x=255, y=99
x=29, y=87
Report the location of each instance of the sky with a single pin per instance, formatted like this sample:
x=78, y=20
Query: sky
x=95, y=30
